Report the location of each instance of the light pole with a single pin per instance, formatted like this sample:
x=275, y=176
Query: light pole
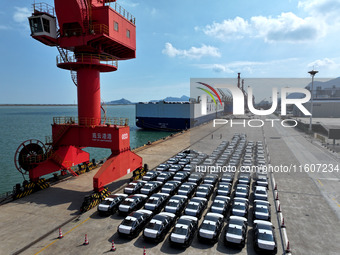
x=312, y=73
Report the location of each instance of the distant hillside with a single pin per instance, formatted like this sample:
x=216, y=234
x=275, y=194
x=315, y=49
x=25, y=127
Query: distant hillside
x=173, y=99
x=120, y=101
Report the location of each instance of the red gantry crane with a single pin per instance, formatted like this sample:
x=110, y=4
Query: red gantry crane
x=91, y=36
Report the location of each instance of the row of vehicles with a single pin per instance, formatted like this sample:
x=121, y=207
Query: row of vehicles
x=176, y=200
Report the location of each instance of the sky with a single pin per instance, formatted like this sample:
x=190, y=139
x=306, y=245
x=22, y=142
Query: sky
x=178, y=40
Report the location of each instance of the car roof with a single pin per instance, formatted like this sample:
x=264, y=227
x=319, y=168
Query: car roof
x=216, y=215
x=263, y=222
x=187, y=217
x=237, y=218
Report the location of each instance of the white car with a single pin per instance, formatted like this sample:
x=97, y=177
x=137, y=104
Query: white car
x=236, y=231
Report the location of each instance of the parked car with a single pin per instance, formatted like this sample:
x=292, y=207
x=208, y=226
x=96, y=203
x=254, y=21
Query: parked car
x=156, y=202
x=158, y=227
x=264, y=237
x=151, y=187
x=134, y=187
x=242, y=190
x=204, y=190
x=196, y=178
x=131, y=203
x=165, y=176
x=220, y=207
x=175, y=168
x=150, y=176
x=210, y=228
x=187, y=189
x=239, y=209
x=260, y=193
x=176, y=204
x=236, y=231
x=163, y=167
x=170, y=187
x=110, y=204
x=261, y=212
x=224, y=189
x=196, y=207
x=184, y=231
x=181, y=176
x=210, y=179
x=134, y=223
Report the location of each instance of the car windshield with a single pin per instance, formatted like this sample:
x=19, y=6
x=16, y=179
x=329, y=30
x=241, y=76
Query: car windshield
x=208, y=226
x=148, y=186
x=173, y=204
x=152, y=200
x=128, y=222
x=129, y=202
x=264, y=226
x=180, y=231
x=234, y=231
x=216, y=204
x=262, y=192
x=266, y=237
x=239, y=207
x=106, y=202
x=154, y=226
x=261, y=209
x=223, y=188
x=235, y=222
x=192, y=206
x=185, y=188
x=168, y=186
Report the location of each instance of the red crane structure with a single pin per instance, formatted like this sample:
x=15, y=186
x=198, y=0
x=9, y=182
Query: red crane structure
x=91, y=36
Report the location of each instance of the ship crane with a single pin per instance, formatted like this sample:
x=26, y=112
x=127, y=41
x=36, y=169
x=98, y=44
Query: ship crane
x=91, y=36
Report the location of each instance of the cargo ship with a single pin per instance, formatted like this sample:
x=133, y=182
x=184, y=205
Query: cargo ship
x=175, y=116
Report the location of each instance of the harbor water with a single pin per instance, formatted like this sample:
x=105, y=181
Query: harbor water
x=21, y=123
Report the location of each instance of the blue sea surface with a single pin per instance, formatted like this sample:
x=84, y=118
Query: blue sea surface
x=21, y=123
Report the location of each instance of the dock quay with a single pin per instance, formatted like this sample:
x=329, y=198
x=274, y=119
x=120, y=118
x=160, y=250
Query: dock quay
x=309, y=201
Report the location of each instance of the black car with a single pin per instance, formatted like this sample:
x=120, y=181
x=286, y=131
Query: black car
x=196, y=207
x=131, y=203
x=227, y=177
x=163, y=167
x=184, y=231
x=210, y=228
x=134, y=187
x=189, y=168
x=210, y=179
x=244, y=178
x=184, y=161
x=181, y=176
x=172, y=161
x=170, y=187
x=151, y=187
x=176, y=204
x=239, y=209
x=236, y=231
x=196, y=178
x=134, y=223
x=110, y=204
x=187, y=189
x=150, y=176
x=242, y=190
x=204, y=190
x=219, y=206
x=165, y=176
x=158, y=227
x=261, y=212
x=264, y=237
x=156, y=202
x=223, y=189
x=175, y=168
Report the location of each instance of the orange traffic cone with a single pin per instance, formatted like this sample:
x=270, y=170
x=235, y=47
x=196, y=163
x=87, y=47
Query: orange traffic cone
x=283, y=223
x=144, y=252
x=60, y=234
x=277, y=196
x=86, y=240
x=279, y=209
x=288, y=248
x=113, y=248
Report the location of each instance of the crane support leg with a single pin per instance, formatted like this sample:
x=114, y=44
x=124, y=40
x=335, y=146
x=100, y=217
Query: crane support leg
x=115, y=167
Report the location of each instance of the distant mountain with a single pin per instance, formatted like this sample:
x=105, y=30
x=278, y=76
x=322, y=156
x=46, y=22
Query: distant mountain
x=318, y=85
x=120, y=101
x=174, y=99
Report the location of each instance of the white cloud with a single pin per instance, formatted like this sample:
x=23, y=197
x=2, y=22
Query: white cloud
x=193, y=52
x=20, y=15
x=324, y=9
x=248, y=67
x=231, y=28
x=325, y=63
x=286, y=27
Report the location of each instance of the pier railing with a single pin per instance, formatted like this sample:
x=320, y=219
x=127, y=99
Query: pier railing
x=90, y=121
x=119, y=9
